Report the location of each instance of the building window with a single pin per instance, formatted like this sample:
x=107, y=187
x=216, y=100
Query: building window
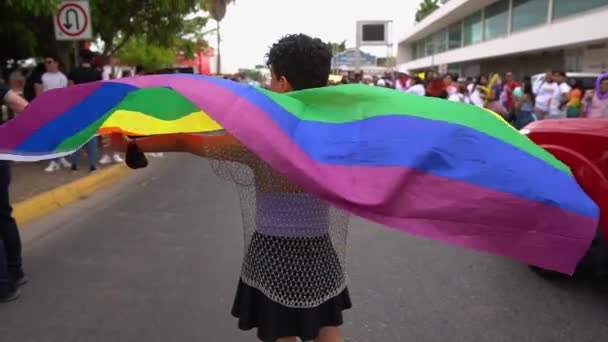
x=472, y=29
x=496, y=21
x=421, y=48
x=428, y=43
x=440, y=41
x=564, y=8
x=455, y=36
x=455, y=69
x=529, y=13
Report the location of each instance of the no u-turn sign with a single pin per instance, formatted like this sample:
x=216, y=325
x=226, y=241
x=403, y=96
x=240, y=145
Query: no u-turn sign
x=72, y=21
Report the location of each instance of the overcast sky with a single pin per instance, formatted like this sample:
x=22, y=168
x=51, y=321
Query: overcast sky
x=249, y=28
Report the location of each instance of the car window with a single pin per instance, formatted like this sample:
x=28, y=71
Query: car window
x=585, y=82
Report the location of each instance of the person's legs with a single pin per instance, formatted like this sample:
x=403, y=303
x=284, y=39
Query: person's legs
x=92, y=153
x=76, y=159
x=10, y=249
x=8, y=290
x=329, y=334
x=9, y=232
x=53, y=166
x=287, y=339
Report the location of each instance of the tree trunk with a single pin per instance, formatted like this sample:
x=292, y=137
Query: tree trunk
x=218, y=54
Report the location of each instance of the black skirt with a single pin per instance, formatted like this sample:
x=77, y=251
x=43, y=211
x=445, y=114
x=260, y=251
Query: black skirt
x=273, y=320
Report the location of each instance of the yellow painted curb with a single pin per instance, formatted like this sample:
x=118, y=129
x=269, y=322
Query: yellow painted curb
x=47, y=202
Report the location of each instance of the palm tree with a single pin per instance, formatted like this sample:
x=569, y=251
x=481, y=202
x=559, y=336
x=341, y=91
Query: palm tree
x=426, y=8
x=217, y=9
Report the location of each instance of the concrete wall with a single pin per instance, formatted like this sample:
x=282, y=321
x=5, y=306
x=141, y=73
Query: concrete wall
x=525, y=65
x=595, y=57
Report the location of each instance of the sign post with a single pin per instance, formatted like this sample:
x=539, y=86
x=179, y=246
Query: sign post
x=371, y=32
x=72, y=21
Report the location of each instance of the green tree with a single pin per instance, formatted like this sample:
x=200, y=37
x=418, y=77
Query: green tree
x=336, y=48
x=217, y=9
x=37, y=7
x=192, y=38
x=138, y=51
x=160, y=21
x=426, y=8
x=26, y=27
x=19, y=29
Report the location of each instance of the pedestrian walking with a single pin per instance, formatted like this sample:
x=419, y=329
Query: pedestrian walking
x=86, y=73
x=53, y=78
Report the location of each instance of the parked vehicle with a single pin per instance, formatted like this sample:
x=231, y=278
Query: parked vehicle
x=582, y=144
x=585, y=79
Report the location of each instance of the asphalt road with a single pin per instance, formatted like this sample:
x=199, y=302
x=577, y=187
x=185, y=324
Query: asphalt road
x=157, y=257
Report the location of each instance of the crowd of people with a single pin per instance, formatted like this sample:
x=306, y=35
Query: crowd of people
x=47, y=76
x=520, y=102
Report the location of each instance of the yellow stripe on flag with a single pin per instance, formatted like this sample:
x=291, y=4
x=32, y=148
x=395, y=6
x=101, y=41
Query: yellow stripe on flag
x=142, y=124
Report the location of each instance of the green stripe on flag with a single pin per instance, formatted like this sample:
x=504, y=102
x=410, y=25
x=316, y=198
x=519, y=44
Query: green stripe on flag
x=335, y=105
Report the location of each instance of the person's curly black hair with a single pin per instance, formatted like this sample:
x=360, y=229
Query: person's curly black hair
x=304, y=61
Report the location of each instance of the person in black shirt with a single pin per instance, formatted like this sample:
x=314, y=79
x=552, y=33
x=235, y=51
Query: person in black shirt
x=85, y=73
x=33, y=81
x=11, y=271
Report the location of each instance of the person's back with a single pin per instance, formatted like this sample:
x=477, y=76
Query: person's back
x=84, y=74
x=293, y=281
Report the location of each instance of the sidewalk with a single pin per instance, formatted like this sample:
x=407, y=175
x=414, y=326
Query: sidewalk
x=30, y=179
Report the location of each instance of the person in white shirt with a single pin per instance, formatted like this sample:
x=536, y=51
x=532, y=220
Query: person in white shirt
x=416, y=87
x=545, y=91
x=477, y=95
x=54, y=79
x=460, y=95
x=541, y=81
x=561, y=96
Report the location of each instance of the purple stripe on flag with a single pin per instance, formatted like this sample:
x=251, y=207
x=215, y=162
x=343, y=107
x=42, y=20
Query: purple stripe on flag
x=49, y=106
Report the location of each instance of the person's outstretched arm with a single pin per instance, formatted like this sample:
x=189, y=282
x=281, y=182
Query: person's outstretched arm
x=220, y=147
x=15, y=102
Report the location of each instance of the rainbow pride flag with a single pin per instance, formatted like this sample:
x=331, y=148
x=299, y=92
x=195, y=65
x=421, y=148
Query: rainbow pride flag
x=443, y=170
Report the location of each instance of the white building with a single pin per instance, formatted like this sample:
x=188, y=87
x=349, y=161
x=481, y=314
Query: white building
x=470, y=37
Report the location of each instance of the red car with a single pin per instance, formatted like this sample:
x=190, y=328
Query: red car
x=582, y=144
